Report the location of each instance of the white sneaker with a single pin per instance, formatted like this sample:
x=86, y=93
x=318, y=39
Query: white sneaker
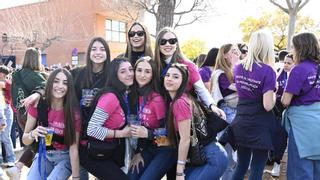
x=275, y=170
x=13, y=173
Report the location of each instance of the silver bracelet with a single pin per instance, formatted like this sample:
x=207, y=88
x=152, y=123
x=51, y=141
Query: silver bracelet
x=181, y=162
x=30, y=135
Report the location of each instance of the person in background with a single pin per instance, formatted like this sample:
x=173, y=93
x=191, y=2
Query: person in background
x=243, y=49
x=63, y=117
x=301, y=119
x=199, y=60
x=3, y=124
x=206, y=69
x=252, y=127
x=5, y=84
x=225, y=93
x=278, y=110
x=139, y=43
x=27, y=80
x=282, y=54
x=179, y=124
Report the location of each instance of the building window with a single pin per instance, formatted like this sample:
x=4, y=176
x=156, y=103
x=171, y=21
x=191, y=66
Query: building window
x=115, y=31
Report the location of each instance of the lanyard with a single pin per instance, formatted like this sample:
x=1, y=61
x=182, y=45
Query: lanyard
x=126, y=99
x=140, y=108
x=42, y=155
x=164, y=72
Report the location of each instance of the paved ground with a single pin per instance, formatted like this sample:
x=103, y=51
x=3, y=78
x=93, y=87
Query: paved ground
x=265, y=176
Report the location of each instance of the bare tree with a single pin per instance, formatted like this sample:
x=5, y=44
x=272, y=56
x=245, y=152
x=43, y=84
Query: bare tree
x=292, y=9
x=127, y=9
x=174, y=13
x=40, y=25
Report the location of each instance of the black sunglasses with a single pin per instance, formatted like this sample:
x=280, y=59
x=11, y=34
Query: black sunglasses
x=133, y=33
x=171, y=41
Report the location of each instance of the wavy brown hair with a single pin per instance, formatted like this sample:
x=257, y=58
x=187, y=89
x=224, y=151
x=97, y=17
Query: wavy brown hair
x=222, y=63
x=32, y=59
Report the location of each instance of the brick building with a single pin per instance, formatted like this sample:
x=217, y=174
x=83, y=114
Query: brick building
x=59, y=27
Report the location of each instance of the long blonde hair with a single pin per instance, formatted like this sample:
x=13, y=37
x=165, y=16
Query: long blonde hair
x=224, y=64
x=260, y=50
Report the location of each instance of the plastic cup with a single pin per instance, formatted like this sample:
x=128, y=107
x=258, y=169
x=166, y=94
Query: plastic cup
x=49, y=136
x=133, y=120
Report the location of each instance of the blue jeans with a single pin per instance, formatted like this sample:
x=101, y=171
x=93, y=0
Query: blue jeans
x=258, y=161
x=5, y=136
x=157, y=161
x=300, y=168
x=57, y=166
x=214, y=168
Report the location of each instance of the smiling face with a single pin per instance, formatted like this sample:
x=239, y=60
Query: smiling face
x=143, y=73
x=170, y=46
x=125, y=73
x=60, y=86
x=98, y=53
x=172, y=80
x=137, y=38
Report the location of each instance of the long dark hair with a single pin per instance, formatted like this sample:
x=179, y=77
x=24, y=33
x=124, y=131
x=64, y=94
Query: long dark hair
x=306, y=46
x=70, y=104
x=170, y=122
x=88, y=79
x=211, y=58
x=113, y=81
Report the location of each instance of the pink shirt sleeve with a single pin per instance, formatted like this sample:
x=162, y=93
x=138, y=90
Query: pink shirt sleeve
x=194, y=74
x=33, y=111
x=108, y=102
x=181, y=109
x=160, y=109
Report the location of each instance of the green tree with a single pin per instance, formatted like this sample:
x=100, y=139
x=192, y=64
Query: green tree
x=277, y=23
x=193, y=48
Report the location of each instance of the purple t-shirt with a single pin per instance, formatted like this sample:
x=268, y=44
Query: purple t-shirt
x=282, y=81
x=253, y=84
x=205, y=73
x=300, y=81
x=224, y=83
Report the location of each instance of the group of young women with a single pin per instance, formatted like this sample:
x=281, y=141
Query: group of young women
x=94, y=103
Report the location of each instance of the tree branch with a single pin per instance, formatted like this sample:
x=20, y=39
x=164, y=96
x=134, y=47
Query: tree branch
x=193, y=8
x=178, y=4
x=303, y=4
x=279, y=6
x=196, y=18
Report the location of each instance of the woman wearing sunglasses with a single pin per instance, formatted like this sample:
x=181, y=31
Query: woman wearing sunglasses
x=167, y=51
x=139, y=44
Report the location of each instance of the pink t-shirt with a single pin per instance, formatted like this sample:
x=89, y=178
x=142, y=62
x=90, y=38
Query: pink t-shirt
x=153, y=110
x=110, y=104
x=56, y=121
x=194, y=74
x=181, y=110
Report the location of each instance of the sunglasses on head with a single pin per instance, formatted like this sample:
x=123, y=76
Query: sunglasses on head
x=133, y=33
x=171, y=41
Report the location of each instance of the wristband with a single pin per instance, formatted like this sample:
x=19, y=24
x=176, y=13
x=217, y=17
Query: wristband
x=181, y=162
x=180, y=174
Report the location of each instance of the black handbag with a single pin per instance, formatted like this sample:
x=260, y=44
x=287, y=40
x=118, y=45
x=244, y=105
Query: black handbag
x=101, y=149
x=196, y=154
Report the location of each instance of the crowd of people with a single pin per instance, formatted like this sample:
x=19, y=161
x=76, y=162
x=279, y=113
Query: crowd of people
x=132, y=117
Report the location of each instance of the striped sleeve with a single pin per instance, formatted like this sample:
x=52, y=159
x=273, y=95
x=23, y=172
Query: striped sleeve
x=95, y=127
